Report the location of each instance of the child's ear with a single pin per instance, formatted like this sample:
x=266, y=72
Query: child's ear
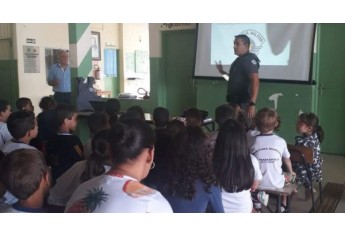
x=47, y=180
x=66, y=121
x=151, y=153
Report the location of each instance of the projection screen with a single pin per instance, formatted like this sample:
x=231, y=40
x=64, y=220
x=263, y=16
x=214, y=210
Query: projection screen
x=285, y=50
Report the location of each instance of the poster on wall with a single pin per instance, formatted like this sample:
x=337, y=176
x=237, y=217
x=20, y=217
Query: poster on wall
x=141, y=61
x=31, y=59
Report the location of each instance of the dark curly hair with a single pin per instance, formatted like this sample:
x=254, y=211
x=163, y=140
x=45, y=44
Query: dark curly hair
x=190, y=160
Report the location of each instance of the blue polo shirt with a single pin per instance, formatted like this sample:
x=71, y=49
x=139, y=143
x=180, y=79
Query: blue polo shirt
x=64, y=76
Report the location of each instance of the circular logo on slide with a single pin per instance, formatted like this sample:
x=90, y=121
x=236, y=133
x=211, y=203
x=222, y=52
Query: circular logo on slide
x=256, y=40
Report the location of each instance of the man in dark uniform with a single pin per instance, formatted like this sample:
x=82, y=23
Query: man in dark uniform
x=243, y=77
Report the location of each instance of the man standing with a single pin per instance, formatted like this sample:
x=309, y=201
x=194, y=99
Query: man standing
x=243, y=77
x=59, y=78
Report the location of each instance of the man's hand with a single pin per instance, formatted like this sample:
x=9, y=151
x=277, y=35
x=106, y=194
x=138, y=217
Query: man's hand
x=251, y=112
x=220, y=67
x=54, y=82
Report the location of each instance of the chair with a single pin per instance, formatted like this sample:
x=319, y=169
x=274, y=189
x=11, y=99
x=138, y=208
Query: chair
x=277, y=193
x=304, y=155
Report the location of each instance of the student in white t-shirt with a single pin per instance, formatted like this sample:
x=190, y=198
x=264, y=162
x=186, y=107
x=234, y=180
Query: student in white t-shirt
x=23, y=127
x=119, y=190
x=237, y=171
x=270, y=150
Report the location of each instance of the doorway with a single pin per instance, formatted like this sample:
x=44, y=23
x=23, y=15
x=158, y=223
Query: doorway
x=331, y=84
x=178, y=59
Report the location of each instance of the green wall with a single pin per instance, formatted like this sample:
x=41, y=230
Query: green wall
x=211, y=93
x=9, y=89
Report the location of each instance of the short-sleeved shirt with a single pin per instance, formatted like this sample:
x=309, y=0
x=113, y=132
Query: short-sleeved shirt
x=56, y=72
x=11, y=146
x=4, y=134
x=241, y=202
x=116, y=194
x=238, y=90
x=270, y=149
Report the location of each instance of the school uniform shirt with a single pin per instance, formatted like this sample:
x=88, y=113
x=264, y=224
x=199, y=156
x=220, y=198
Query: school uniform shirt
x=63, y=151
x=4, y=134
x=241, y=202
x=116, y=194
x=16, y=208
x=270, y=149
x=67, y=183
x=13, y=145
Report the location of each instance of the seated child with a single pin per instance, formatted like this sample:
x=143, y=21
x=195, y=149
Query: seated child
x=236, y=170
x=270, y=150
x=223, y=112
x=95, y=164
x=112, y=109
x=23, y=127
x=24, y=104
x=160, y=117
x=64, y=149
x=25, y=174
x=45, y=119
x=311, y=136
x=97, y=121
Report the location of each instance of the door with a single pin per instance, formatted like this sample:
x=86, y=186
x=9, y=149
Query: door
x=331, y=85
x=178, y=59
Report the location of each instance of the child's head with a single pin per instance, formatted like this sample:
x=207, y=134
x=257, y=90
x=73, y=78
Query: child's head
x=24, y=104
x=21, y=124
x=175, y=126
x=190, y=160
x=24, y=172
x=266, y=120
x=97, y=121
x=5, y=110
x=136, y=111
x=99, y=156
x=66, y=117
x=47, y=103
x=160, y=116
x=308, y=123
x=129, y=141
x=112, y=105
x=224, y=112
x=193, y=117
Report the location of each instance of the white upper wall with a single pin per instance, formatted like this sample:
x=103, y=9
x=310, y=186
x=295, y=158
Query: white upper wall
x=156, y=35
x=110, y=38
x=135, y=38
x=34, y=85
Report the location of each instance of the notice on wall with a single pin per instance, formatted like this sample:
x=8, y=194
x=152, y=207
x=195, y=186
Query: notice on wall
x=31, y=59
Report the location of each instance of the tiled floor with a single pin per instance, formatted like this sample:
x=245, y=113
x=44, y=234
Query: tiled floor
x=333, y=171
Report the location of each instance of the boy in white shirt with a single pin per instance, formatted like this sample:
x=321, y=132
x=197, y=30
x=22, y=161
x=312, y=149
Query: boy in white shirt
x=271, y=151
x=23, y=127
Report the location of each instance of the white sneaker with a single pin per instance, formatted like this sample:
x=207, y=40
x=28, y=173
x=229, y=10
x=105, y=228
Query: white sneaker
x=263, y=197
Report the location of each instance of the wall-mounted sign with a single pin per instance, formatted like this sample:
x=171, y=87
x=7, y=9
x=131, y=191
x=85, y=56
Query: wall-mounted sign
x=31, y=59
x=31, y=41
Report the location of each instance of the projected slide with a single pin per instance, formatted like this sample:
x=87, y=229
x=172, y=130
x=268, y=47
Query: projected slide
x=284, y=49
